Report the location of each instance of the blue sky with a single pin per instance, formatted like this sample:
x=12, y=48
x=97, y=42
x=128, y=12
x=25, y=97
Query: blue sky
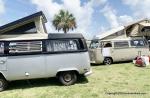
x=93, y=16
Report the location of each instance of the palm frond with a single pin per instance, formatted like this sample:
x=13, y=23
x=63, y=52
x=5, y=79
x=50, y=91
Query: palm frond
x=64, y=21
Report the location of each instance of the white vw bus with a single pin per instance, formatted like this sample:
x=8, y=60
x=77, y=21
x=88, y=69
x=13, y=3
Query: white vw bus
x=60, y=55
x=115, y=50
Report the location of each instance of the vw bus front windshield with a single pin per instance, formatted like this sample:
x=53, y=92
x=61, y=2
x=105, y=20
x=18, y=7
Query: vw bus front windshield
x=94, y=44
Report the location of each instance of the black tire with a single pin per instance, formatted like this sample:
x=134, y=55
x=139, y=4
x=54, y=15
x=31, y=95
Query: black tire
x=3, y=84
x=67, y=78
x=108, y=61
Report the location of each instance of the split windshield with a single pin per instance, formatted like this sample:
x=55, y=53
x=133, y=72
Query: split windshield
x=94, y=44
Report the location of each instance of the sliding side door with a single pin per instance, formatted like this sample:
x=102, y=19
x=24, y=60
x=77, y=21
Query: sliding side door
x=25, y=60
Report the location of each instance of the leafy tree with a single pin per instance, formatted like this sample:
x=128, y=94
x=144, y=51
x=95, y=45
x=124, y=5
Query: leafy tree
x=64, y=21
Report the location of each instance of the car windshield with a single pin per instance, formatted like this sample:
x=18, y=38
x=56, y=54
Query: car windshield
x=94, y=44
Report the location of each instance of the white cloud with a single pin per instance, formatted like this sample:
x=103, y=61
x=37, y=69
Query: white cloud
x=2, y=7
x=110, y=15
x=97, y=2
x=131, y=2
x=140, y=8
x=125, y=19
x=2, y=10
x=83, y=13
x=102, y=29
x=113, y=18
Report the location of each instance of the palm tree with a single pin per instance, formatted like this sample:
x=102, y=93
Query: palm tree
x=64, y=21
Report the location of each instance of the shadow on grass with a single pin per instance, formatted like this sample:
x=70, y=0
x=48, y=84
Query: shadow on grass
x=82, y=80
x=121, y=62
x=24, y=84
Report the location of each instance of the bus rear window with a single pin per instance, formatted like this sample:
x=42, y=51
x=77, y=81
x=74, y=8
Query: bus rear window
x=137, y=43
x=62, y=45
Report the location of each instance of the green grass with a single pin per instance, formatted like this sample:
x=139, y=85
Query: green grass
x=124, y=78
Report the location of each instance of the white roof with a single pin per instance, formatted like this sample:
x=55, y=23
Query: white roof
x=136, y=21
x=144, y=24
x=112, y=31
x=124, y=39
x=107, y=33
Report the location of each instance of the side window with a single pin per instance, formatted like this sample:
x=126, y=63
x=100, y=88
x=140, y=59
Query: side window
x=1, y=48
x=121, y=44
x=25, y=47
x=61, y=45
x=107, y=44
x=28, y=28
x=145, y=29
x=137, y=43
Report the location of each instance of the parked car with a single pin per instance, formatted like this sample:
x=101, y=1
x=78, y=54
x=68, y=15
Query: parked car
x=115, y=50
x=60, y=55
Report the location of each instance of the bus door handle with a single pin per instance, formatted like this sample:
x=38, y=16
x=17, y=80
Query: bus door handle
x=2, y=62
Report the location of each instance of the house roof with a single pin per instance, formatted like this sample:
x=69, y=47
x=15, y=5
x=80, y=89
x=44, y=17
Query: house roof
x=24, y=19
x=145, y=24
x=135, y=22
x=110, y=32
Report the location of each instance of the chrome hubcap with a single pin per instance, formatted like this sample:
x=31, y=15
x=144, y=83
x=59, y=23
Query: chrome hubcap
x=108, y=61
x=67, y=77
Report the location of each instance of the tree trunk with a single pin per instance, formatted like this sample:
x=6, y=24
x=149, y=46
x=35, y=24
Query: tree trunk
x=65, y=31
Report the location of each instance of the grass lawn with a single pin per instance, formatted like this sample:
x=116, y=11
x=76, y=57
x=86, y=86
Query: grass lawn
x=114, y=81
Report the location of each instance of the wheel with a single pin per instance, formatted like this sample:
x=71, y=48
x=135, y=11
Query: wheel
x=3, y=84
x=108, y=61
x=67, y=78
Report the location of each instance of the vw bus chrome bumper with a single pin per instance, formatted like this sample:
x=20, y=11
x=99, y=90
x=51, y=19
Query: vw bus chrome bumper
x=92, y=62
x=88, y=73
